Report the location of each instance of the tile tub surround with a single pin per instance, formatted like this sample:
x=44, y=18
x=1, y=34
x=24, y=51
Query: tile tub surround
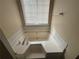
x=54, y=44
x=49, y=46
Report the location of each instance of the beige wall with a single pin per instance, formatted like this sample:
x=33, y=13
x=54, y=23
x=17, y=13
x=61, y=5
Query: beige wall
x=10, y=20
x=68, y=24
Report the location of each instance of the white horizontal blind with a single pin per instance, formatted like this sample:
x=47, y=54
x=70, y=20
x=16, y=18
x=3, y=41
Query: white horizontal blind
x=36, y=11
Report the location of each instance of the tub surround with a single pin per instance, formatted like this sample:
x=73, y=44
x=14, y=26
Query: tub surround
x=53, y=45
x=50, y=48
x=48, y=45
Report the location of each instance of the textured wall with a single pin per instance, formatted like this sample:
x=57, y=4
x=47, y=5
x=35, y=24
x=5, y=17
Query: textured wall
x=67, y=25
x=10, y=20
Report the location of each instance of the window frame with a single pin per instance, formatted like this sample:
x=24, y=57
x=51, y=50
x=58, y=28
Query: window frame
x=49, y=16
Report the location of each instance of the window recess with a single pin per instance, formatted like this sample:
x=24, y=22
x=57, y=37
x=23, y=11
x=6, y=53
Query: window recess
x=36, y=12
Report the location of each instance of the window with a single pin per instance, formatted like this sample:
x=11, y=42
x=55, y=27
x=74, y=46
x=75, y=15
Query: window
x=36, y=12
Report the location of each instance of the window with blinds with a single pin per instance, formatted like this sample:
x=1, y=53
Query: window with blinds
x=36, y=12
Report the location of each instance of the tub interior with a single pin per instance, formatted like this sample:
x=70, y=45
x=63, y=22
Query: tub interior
x=35, y=51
